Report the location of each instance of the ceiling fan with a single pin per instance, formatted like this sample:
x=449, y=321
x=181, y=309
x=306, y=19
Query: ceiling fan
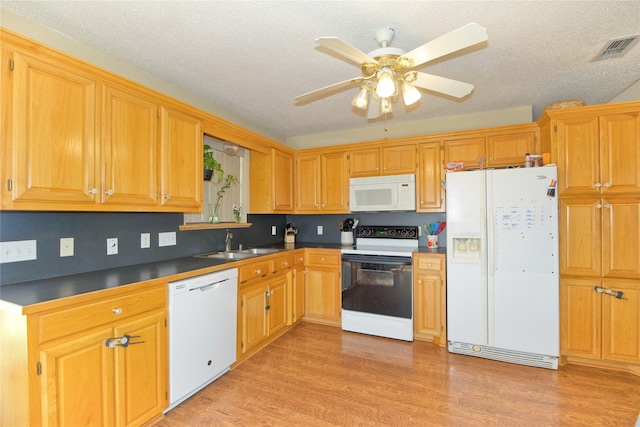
x=387, y=69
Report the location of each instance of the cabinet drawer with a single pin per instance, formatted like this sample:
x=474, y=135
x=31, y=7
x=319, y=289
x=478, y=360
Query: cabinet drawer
x=298, y=258
x=323, y=259
x=254, y=270
x=283, y=262
x=427, y=264
x=87, y=316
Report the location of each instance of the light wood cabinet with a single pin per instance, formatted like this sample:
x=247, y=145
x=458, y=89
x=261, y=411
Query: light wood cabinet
x=600, y=237
x=323, y=289
x=264, y=301
x=271, y=182
x=296, y=299
x=181, y=160
x=75, y=378
x=50, y=127
x=81, y=139
x=595, y=324
x=430, y=177
x=597, y=150
x=429, y=297
x=598, y=156
x=322, y=183
x=385, y=160
x=130, y=175
x=493, y=147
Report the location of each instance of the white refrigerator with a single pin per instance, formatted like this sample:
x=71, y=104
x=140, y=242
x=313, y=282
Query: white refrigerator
x=502, y=265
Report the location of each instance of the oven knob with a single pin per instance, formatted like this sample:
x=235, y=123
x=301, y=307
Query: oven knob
x=391, y=232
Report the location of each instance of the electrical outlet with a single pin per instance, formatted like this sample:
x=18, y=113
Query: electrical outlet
x=112, y=246
x=66, y=246
x=167, y=239
x=145, y=240
x=320, y=230
x=21, y=250
x=274, y=230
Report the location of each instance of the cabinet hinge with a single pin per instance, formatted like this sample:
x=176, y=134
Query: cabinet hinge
x=242, y=344
x=441, y=328
x=555, y=128
x=165, y=322
x=39, y=368
x=9, y=185
x=158, y=114
x=11, y=64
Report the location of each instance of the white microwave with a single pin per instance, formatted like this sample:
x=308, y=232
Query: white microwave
x=383, y=193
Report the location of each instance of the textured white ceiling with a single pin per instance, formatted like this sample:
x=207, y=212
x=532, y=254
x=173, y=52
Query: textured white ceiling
x=253, y=57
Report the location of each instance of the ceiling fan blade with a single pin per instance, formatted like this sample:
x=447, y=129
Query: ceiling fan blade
x=465, y=36
x=345, y=49
x=311, y=96
x=443, y=85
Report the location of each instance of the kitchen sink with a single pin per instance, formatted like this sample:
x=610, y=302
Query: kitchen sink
x=259, y=251
x=245, y=253
x=227, y=255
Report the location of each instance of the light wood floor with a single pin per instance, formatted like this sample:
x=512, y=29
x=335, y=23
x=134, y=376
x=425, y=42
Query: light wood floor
x=318, y=375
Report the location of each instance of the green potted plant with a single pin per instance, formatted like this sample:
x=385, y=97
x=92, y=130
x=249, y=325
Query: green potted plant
x=228, y=181
x=211, y=166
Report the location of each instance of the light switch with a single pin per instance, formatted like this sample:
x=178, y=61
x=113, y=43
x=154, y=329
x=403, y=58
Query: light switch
x=66, y=246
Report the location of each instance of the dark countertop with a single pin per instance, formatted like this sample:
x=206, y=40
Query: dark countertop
x=39, y=291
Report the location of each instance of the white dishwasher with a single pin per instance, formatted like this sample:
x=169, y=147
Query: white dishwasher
x=202, y=331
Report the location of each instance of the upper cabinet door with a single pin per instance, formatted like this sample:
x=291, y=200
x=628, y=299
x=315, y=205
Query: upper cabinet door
x=282, y=182
x=620, y=153
x=578, y=155
x=335, y=182
x=399, y=160
x=130, y=148
x=468, y=150
x=429, y=182
x=308, y=184
x=53, y=133
x=364, y=162
x=181, y=146
x=510, y=149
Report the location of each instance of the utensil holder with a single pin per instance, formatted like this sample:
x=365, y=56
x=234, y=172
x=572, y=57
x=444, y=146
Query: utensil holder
x=432, y=241
x=346, y=238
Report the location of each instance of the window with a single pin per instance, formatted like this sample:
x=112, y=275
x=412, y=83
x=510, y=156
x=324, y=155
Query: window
x=236, y=194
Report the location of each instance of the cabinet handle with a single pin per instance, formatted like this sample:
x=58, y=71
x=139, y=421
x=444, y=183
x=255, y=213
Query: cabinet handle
x=285, y=263
x=93, y=191
x=117, y=310
x=109, y=192
x=598, y=206
x=607, y=205
x=258, y=271
x=597, y=185
x=167, y=196
x=607, y=184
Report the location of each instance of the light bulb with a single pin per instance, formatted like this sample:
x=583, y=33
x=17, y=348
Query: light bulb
x=386, y=86
x=361, y=100
x=409, y=93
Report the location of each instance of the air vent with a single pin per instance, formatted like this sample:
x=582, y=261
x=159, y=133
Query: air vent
x=617, y=48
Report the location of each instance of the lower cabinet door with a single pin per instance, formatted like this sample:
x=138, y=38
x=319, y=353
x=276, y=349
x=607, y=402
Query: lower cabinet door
x=77, y=381
x=277, y=304
x=253, y=318
x=141, y=380
x=621, y=321
x=580, y=318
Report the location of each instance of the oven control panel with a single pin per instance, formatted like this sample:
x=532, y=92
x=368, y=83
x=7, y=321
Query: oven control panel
x=387, y=232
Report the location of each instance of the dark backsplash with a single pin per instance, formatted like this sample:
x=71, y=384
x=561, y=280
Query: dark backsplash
x=91, y=230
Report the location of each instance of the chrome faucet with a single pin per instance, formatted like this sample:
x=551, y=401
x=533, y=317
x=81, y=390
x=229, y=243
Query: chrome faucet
x=227, y=241
x=240, y=247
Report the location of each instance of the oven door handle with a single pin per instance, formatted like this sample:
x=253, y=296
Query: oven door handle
x=377, y=259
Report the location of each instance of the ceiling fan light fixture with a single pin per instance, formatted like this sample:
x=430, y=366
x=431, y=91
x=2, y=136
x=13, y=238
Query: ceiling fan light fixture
x=386, y=86
x=361, y=100
x=385, y=106
x=410, y=94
